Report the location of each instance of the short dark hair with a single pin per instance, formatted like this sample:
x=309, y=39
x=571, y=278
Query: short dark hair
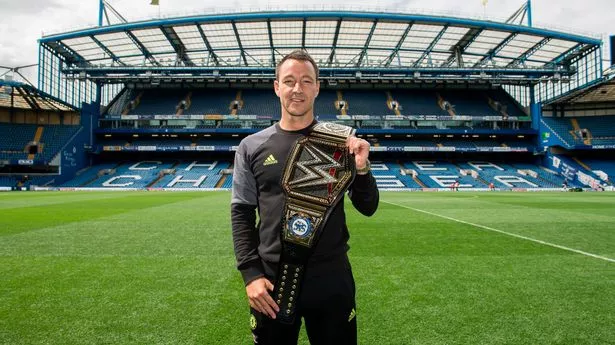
x=300, y=55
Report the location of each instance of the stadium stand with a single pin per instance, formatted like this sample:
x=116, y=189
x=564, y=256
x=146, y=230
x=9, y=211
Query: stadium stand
x=585, y=130
x=54, y=137
x=325, y=105
x=453, y=114
x=120, y=103
x=131, y=175
x=472, y=103
x=329, y=104
x=89, y=175
x=7, y=181
x=154, y=174
x=260, y=102
x=606, y=166
x=414, y=102
x=14, y=139
x=389, y=175
x=600, y=128
x=158, y=101
x=562, y=127
x=211, y=102
x=366, y=102
x=508, y=104
x=193, y=175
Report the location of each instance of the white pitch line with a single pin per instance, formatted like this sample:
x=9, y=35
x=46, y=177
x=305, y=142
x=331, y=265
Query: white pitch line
x=506, y=233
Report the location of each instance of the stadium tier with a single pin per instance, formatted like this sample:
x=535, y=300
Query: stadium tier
x=256, y=101
x=33, y=143
x=14, y=139
x=417, y=175
x=584, y=130
x=152, y=174
x=600, y=128
x=207, y=101
x=329, y=105
x=54, y=137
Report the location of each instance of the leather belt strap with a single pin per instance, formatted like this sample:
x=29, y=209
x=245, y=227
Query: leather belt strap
x=318, y=172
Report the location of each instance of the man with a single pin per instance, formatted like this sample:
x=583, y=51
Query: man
x=327, y=298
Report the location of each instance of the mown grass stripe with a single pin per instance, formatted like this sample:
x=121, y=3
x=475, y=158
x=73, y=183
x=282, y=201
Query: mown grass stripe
x=506, y=233
x=18, y=220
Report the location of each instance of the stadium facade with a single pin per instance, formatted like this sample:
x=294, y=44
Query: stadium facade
x=162, y=104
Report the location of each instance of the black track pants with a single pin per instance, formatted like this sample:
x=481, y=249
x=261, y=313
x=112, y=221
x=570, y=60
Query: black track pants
x=326, y=304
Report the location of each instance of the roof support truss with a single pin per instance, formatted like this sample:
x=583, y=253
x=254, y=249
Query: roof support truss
x=334, y=46
x=271, y=42
x=303, y=34
x=177, y=45
x=389, y=59
x=28, y=98
x=431, y=46
x=461, y=47
x=366, y=45
x=570, y=52
x=521, y=59
x=35, y=99
x=142, y=48
x=496, y=50
x=107, y=51
x=69, y=55
x=212, y=54
x=241, y=52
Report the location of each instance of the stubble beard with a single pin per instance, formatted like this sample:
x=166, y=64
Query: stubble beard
x=298, y=114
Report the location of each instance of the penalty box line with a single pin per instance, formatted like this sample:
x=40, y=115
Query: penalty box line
x=505, y=233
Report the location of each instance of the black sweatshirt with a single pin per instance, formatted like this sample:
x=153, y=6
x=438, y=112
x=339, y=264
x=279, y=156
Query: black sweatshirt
x=257, y=175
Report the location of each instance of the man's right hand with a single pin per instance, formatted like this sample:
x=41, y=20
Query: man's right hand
x=259, y=298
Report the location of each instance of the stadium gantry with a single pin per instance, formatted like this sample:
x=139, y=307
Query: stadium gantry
x=445, y=98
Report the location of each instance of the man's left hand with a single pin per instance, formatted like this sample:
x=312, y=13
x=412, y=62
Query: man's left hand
x=360, y=148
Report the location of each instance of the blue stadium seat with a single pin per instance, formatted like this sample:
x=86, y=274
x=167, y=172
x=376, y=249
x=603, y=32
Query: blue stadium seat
x=418, y=102
x=211, y=102
x=469, y=103
x=363, y=102
x=260, y=102
x=563, y=128
x=324, y=106
x=159, y=102
x=13, y=140
x=54, y=138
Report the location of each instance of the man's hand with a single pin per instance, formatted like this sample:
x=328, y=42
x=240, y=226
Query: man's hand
x=360, y=148
x=259, y=298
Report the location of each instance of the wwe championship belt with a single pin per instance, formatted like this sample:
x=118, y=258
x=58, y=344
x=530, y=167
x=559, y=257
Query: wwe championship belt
x=318, y=172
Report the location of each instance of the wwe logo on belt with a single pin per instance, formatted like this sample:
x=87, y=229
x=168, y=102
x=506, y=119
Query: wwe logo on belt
x=319, y=170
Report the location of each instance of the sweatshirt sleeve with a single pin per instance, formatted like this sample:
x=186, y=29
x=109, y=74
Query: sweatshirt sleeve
x=243, y=217
x=364, y=194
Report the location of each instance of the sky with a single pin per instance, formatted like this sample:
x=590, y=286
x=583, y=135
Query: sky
x=24, y=21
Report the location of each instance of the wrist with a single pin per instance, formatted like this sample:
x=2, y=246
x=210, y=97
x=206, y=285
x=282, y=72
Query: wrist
x=364, y=170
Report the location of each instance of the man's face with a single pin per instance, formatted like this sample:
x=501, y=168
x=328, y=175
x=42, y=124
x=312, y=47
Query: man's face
x=297, y=87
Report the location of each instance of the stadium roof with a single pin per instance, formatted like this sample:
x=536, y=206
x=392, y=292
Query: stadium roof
x=601, y=91
x=23, y=96
x=356, y=41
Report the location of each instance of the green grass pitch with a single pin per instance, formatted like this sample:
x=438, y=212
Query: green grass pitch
x=431, y=268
